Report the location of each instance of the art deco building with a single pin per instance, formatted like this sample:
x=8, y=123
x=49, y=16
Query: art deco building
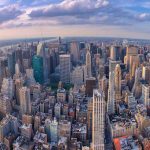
x=98, y=125
x=117, y=83
x=88, y=64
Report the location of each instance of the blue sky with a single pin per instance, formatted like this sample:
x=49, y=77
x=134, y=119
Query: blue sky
x=115, y=18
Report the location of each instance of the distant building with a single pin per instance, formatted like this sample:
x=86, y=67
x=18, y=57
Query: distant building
x=90, y=85
x=54, y=131
x=146, y=95
x=65, y=68
x=8, y=87
x=25, y=100
x=88, y=64
x=37, y=65
x=74, y=49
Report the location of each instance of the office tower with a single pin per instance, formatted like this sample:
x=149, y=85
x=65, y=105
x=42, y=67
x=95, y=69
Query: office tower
x=88, y=64
x=18, y=57
x=18, y=85
x=131, y=102
x=5, y=105
x=133, y=64
x=115, y=53
x=136, y=80
x=30, y=77
x=103, y=85
x=112, y=65
x=57, y=110
x=26, y=59
x=101, y=71
x=90, y=85
x=111, y=94
x=74, y=49
x=65, y=68
x=146, y=95
x=98, y=125
x=7, y=88
x=37, y=65
x=11, y=63
x=8, y=124
x=54, y=130
x=3, y=64
x=43, y=51
x=37, y=122
x=118, y=83
x=146, y=73
x=77, y=75
x=25, y=101
x=89, y=118
x=18, y=74
x=130, y=51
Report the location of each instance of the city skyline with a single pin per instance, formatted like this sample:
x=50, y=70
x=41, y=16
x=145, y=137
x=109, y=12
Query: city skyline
x=106, y=18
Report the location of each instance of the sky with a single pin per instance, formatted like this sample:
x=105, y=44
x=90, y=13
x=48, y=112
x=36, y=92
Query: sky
x=96, y=18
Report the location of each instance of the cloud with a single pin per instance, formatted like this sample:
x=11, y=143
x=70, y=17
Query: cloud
x=9, y=13
x=144, y=17
x=69, y=8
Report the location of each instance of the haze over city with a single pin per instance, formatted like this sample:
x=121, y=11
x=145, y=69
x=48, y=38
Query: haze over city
x=44, y=18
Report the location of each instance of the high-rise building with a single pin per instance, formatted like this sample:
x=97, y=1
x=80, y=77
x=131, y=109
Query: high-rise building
x=37, y=65
x=114, y=53
x=88, y=64
x=130, y=51
x=54, y=130
x=74, y=49
x=65, y=68
x=118, y=83
x=111, y=94
x=25, y=101
x=98, y=125
x=11, y=63
x=5, y=105
x=146, y=95
x=43, y=52
x=8, y=125
x=146, y=73
x=112, y=65
x=30, y=77
x=77, y=75
x=90, y=85
x=18, y=85
x=7, y=88
x=89, y=117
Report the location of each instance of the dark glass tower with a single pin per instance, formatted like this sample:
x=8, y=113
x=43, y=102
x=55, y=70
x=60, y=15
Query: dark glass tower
x=37, y=65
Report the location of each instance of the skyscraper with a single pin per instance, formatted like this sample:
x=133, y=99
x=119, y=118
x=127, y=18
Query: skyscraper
x=25, y=101
x=65, y=68
x=98, y=125
x=37, y=64
x=43, y=52
x=117, y=83
x=146, y=95
x=114, y=53
x=88, y=64
x=74, y=49
x=111, y=95
x=8, y=87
